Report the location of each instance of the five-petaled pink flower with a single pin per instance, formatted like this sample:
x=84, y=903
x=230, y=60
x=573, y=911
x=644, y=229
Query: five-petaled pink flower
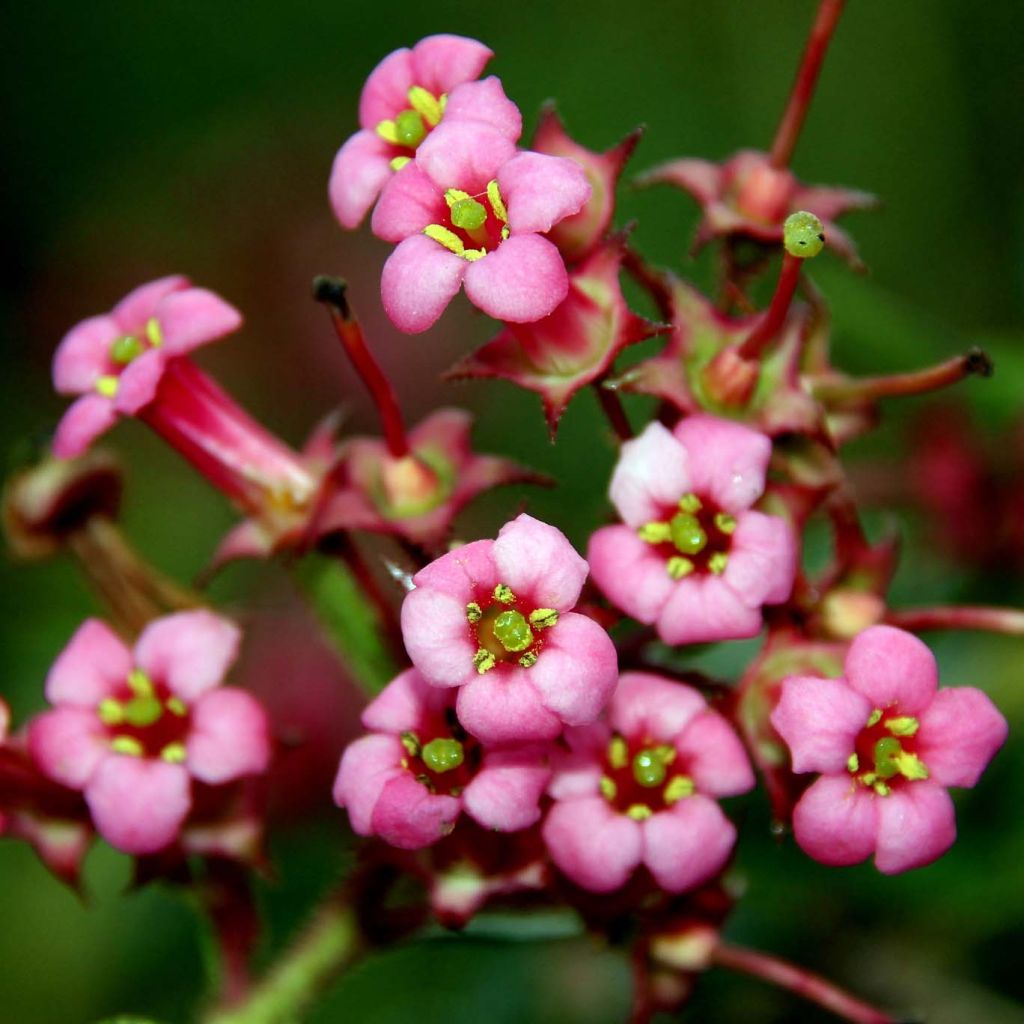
x=887, y=743
x=406, y=96
x=115, y=360
x=410, y=779
x=471, y=210
x=693, y=558
x=131, y=729
x=642, y=787
x=494, y=619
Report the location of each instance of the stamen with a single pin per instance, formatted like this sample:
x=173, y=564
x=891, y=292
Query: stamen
x=443, y=236
x=875, y=717
x=902, y=726
x=724, y=522
x=110, y=711
x=139, y=683
x=474, y=613
x=173, y=753
x=639, y=812
x=608, y=788
x=690, y=503
x=411, y=743
x=483, y=661
x=679, y=787
x=176, y=706
x=717, y=562
x=399, y=162
x=441, y=755
x=618, y=752
x=126, y=745
x=497, y=203
x=528, y=660
x=853, y=763
x=154, y=333
x=106, y=385
x=426, y=105
x=678, y=567
x=654, y=533
x=911, y=766
x=544, y=618
x=388, y=131
x=881, y=789
x=504, y=594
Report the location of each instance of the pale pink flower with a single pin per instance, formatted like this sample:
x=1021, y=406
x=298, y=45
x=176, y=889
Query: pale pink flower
x=471, y=210
x=115, y=361
x=132, y=729
x=693, y=558
x=641, y=789
x=418, y=770
x=887, y=743
x=405, y=97
x=494, y=618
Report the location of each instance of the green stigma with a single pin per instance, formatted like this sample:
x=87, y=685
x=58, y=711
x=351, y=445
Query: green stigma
x=803, y=235
x=513, y=631
x=125, y=349
x=468, y=214
x=409, y=129
x=687, y=534
x=143, y=711
x=650, y=766
x=443, y=755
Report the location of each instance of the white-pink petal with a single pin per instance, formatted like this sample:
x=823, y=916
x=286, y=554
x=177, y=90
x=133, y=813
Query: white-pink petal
x=712, y=755
x=466, y=572
x=485, y=101
x=541, y=190
x=84, y=354
x=441, y=62
x=85, y=420
x=892, y=667
x=386, y=92
x=409, y=816
x=762, y=559
x=703, y=608
x=229, y=737
x=138, y=383
x=523, y=280
x=591, y=844
x=648, y=705
x=652, y=474
x=464, y=154
x=916, y=825
x=400, y=706
x=409, y=202
x=67, y=744
x=194, y=317
x=437, y=636
x=505, y=795
x=503, y=706
x=419, y=279
x=629, y=572
x=685, y=846
x=367, y=765
x=540, y=565
x=135, y=309
x=92, y=666
x=960, y=732
x=836, y=821
x=361, y=168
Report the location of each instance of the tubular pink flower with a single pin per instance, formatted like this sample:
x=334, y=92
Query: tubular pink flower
x=693, y=558
x=418, y=770
x=642, y=789
x=495, y=619
x=130, y=729
x=470, y=210
x=887, y=744
x=116, y=361
x=406, y=96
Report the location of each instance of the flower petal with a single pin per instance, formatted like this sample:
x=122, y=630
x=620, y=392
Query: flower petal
x=367, y=765
x=687, y=845
x=229, y=738
x=762, y=559
x=960, y=732
x=916, y=825
x=645, y=705
x=84, y=354
x=630, y=573
x=706, y=608
x=505, y=795
x=540, y=565
x=892, y=667
x=67, y=744
x=437, y=636
x=194, y=317
x=541, y=190
x=135, y=309
x=464, y=155
x=361, y=169
x=522, y=280
x=714, y=757
x=465, y=573
x=419, y=279
x=409, y=202
x=485, y=101
x=94, y=664
x=386, y=92
x=503, y=706
x=441, y=62
x=591, y=844
x=409, y=816
x=138, y=383
x=652, y=474
x=836, y=821
x=85, y=420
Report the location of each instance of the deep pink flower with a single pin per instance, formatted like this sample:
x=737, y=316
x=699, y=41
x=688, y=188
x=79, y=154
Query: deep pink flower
x=887, y=743
x=692, y=557
x=410, y=779
x=494, y=619
x=131, y=729
x=642, y=787
x=406, y=96
x=115, y=361
x=472, y=210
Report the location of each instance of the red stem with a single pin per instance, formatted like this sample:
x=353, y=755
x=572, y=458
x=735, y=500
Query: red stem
x=992, y=620
x=331, y=292
x=758, y=339
x=806, y=78
x=800, y=981
x=611, y=405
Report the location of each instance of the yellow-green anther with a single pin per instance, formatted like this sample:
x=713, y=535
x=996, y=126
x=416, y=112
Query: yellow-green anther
x=875, y=717
x=678, y=788
x=474, y=613
x=388, y=131
x=618, y=752
x=469, y=215
x=176, y=706
x=513, y=631
x=106, y=385
x=687, y=534
x=690, y=503
x=639, y=812
x=154, y=333
x=139, y=683
x=443, y=236
x=443, y=755
x=143, y=711
x=803, y=235
x=504, y=594
x=528, y=660
x=110, y=711
x=717, y=562
x=505, y=232
x=868, y=778
x=608, y=788
x=911, y=766
x=497, y=203
x=125, y=349
x=853, y=763
x=649, y=768
x=483, y=661
x=655, y=533
x=887, y=749
x=398, y=162
x=126, y=745
x=409, y=129
x=678, y=567
x=724, y=522
x=543, y=618
x=425, y=104
x=411, y=743
x=881, y=789
x=472, y=255
x=902, y=726
x=173, y=753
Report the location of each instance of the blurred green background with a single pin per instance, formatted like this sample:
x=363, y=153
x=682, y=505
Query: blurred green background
x=147, y=138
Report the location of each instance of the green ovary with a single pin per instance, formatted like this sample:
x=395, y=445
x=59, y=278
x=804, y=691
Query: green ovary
x=513, y=631
x=442, y=755
x=687, y=534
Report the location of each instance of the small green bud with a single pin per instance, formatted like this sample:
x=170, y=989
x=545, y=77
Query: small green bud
x=803, y=235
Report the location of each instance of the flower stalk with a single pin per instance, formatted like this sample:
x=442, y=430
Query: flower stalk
x=1008, y=621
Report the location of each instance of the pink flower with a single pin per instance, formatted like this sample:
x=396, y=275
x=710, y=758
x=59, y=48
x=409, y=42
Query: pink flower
x=642, y=789
x=494, y=619
x=406, y=96
x=410, y=779
x=115, y=361
x=693, y=558
x=471, y=210
x=887, y=743
x=131, y=729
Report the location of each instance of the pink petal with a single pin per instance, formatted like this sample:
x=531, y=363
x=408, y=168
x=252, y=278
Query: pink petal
x=578, y=770
x=194, y=317
x=419, y=279
x=85, y=420
x=503, y=706
x=505, y=795
x=727, y=460
x=67, y=744
x=539, y=564
x=94, y=664
x=138, y=382
x=464, y=155
x=819, y=719
x=577, y=669
x=465, y=573
x=190, y=652
x=652, y=474
x=401, y=705
x=446, y=431
x=229, y=736
x=135, y=309
x=705, y=608
x=367, y=765
x=441, y=62
x=892, y=667
x=916, y=825
x=409, y=816
x=409, y=202
x=591, y=844
x=647, y=706
x=386, y=92
x=836, y=821
x=485, y=101
x=762, y=559
x=138, y=805
x=960, y=732
x=701, y=178
x=84, y=354
x=629, y=572
x=713, y=756
x=361, y=169
x=828, y=202
x=541, y=190
x=437, y=637
x=687, y=845
x=522, y=280
x=249, y=539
